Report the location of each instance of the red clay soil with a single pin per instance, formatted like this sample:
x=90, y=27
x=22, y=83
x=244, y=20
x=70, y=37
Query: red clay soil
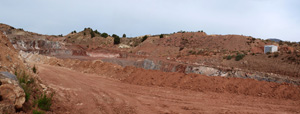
x=78, y=92
x=201, y=83
x=194, y=82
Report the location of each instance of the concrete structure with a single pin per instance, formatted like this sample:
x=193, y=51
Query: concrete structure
x=270, y=48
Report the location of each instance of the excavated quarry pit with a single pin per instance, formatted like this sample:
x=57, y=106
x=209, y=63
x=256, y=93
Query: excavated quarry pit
x=60, y=50
x=108, y=82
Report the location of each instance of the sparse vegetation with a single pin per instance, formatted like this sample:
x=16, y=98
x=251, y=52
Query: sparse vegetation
x=73, y=32
x=229, y=57
x=105, y=35
x=239, y=57
x=181, y=31
x=97, y=32
x=161, y=36
x=144, y=38
x=34, y=69
x=116, y=39
x=92, y=33
x=25, y=82
x=37, y=112
x=192, y=52
x=44, y=102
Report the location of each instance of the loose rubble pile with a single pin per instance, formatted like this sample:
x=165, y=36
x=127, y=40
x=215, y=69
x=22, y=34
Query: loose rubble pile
x=12, y=95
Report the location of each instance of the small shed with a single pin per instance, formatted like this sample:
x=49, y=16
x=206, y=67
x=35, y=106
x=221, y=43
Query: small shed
x=270, y=48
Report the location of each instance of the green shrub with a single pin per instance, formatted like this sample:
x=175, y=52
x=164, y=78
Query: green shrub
x=105, y=35
x=239, y=57
x=229, y=57
x=25, y=82
x=27, y=91
x=116, y=39
x=124, y=35
x=44, y=102
x=34, y=69
x=144, y=38
x=161, y=36
x=37, y=112
x=73, y=32
x=96, y=31
x=92, y=33
x=192, y=52
x=23, y=78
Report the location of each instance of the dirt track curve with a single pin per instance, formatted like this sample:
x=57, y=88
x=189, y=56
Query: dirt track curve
x=80, y=93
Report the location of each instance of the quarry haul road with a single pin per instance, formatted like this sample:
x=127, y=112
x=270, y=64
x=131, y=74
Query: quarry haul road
x=80, y=93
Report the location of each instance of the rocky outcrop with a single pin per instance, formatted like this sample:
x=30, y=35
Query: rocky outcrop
x=12, y=96
x=208, y=71
x=36, y=44
x=204, y=70
x=104, y=55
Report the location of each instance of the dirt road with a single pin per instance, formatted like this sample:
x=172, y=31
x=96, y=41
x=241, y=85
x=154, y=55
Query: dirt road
x=82, y=93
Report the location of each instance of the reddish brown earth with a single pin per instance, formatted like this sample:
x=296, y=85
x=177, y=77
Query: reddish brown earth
x=110, y=88
x=78, y=92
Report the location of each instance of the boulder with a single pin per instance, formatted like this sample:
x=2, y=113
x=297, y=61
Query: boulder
x=12, y=95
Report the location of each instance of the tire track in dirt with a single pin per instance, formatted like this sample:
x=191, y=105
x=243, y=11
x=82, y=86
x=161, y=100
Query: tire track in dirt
x=78, y=92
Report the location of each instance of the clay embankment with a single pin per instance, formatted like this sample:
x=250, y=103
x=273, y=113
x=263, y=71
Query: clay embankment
x=60, y=50
x=111, y=88
x=167, y=66
x=194, y=82
x=81, y=93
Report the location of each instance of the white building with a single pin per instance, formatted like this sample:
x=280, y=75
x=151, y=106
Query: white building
x=270, y=48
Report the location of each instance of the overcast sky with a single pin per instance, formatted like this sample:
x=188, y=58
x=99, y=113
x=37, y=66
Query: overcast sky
x=257, y=18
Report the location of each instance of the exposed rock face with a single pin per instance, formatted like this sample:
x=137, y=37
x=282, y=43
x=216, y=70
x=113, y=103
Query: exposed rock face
x=204, y=70
x=12, y=96
x=208, y=71
x=36, y=44
x=124, y=46
x=105, y=55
